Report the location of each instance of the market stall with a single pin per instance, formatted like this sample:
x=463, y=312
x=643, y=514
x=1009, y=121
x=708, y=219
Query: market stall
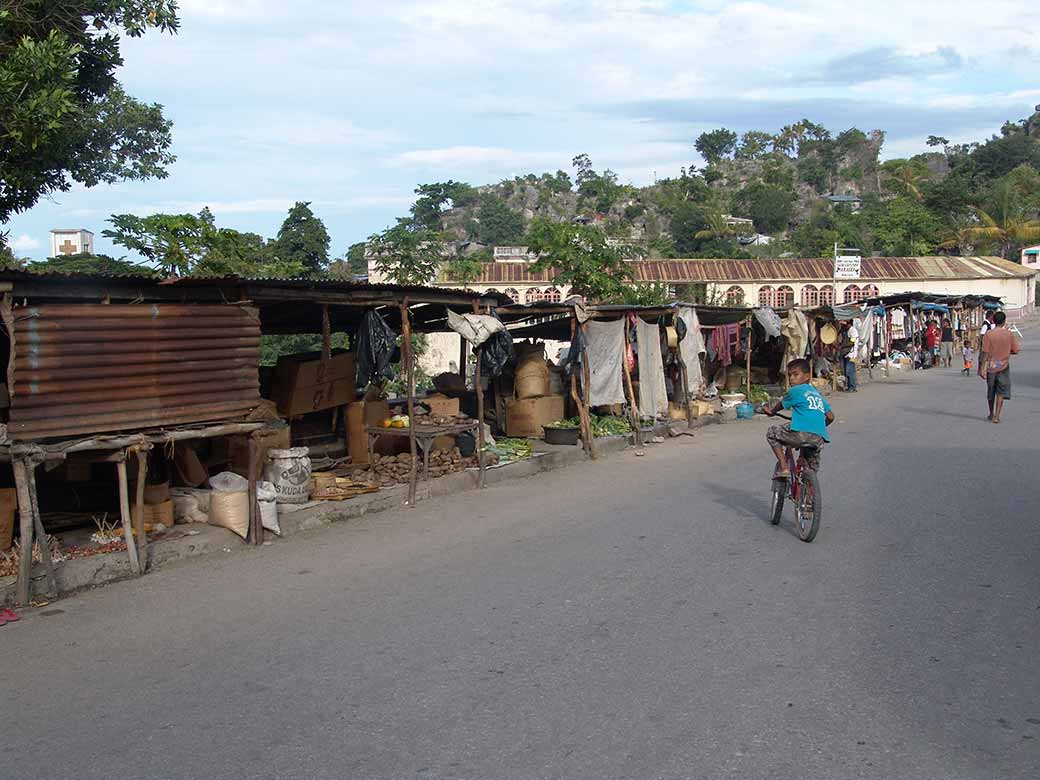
x=112, y=370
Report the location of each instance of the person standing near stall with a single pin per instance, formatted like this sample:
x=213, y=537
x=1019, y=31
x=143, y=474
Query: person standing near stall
x=998, y=345
x=931, y=339
x=946, y=353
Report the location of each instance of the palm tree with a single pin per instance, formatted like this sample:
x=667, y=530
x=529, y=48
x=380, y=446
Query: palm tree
x=906, y=179
x=715, y=226
x=1006, y=230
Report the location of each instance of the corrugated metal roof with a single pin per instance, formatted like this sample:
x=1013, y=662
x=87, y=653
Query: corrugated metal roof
x=101, y=278
x=787, y=269
x=88, y=368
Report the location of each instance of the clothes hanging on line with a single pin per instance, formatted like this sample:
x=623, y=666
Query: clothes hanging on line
x=726, y=340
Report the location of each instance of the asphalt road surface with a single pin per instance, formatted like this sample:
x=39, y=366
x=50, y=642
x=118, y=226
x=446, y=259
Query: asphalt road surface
x=636, y=618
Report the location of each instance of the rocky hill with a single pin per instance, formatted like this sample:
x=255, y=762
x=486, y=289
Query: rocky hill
x=798, y=190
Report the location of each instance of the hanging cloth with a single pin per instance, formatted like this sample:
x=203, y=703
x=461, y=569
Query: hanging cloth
x=796, y=330
x=691, y=348
x=726, y=340
x=605, y=348
x=769, y=320
x=475, y=328
x=653, y=395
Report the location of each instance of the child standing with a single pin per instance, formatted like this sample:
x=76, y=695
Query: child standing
x=967, y=354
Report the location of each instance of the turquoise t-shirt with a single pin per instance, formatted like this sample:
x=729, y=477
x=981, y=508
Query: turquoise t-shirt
x=808, y=408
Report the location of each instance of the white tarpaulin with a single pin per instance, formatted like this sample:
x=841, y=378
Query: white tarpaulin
x=691, y=348
x=606, y=344
x=653, y=397
x=475, y=328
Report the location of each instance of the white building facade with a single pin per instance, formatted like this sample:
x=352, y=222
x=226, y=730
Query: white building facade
x=71, y=242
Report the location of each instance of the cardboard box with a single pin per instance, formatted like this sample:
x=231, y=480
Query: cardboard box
x=441, y=405
x=360, y=415
x=526, y=416
x=302, y=383
x=677, y=411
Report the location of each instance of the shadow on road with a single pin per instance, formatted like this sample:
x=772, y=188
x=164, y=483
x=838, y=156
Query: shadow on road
x=943, y=413
x=754, y=504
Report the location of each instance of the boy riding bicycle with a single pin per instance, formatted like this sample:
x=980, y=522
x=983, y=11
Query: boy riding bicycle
x=810, y=416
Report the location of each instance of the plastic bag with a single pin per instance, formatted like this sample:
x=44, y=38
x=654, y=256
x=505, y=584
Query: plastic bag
x=229, y=482
x=376, y=345
x=266, y=497
x=496, y=353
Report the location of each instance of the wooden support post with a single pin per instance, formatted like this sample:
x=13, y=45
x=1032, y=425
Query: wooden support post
x=124, y=514
x=256, y=527
x=633, y=410
x=409, y=372
x=41, y=534
x=583, y=421
x=886, y=341
x=141, y=452
x=481, y=462
x=747, y=376
x=586, y=391
x=25, y=515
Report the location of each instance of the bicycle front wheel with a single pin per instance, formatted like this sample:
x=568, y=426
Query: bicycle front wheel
x=776, y=503
x=810, y=506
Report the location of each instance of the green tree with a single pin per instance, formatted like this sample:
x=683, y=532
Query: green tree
x=63, y=116
x=231, y=253
x=407, y=253
x=754, y=144
x=356, y=260
x=464, y=269
x=175, y=243
x=303, y=239
x=770, y=207
x=579, y=256
x=906, y=228
x=433, y=198
x=498, y=224
x=686, y=224
x=905, y=177
x=713, y=146
x=1006, y=224
x=85, y=263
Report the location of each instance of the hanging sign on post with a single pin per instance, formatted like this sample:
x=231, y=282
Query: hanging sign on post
x=847, y=266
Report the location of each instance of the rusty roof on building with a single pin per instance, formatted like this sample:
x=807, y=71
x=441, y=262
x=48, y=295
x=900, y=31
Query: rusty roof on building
x=779, y=270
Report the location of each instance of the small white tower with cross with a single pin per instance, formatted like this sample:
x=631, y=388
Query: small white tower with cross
x=71, y=242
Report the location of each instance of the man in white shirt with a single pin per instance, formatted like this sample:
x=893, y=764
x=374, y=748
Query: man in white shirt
x=848, y=359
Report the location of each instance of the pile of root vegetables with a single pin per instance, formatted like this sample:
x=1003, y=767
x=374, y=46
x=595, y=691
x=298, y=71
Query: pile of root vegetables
x=395, y=469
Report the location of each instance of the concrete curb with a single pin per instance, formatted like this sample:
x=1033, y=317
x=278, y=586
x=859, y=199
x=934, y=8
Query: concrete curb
x=197, y=540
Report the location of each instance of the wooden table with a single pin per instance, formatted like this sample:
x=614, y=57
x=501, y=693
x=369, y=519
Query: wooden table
x=424, y=436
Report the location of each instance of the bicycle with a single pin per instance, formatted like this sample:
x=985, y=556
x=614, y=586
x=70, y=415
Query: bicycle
x=803, y=488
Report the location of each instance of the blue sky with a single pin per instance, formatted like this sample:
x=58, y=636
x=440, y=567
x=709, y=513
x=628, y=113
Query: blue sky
x=351, y=105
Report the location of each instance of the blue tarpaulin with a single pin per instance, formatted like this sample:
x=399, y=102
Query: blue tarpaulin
x=931, y=307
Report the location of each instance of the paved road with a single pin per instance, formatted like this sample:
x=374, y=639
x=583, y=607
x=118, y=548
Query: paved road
x=633, y=619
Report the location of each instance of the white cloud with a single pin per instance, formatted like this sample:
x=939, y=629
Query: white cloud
x=466, y=157
x=25, y=243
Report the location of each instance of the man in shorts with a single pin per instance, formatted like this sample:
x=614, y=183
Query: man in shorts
x=998, y=345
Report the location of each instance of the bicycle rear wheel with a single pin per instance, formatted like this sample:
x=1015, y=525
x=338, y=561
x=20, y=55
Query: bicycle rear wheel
x=810, y=506
x=776, y=503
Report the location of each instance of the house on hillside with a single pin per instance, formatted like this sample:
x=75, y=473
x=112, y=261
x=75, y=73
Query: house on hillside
x=852, y=201
x=1031, y=257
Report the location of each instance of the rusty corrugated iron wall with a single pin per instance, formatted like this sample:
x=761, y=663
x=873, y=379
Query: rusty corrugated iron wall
x=90, y=368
